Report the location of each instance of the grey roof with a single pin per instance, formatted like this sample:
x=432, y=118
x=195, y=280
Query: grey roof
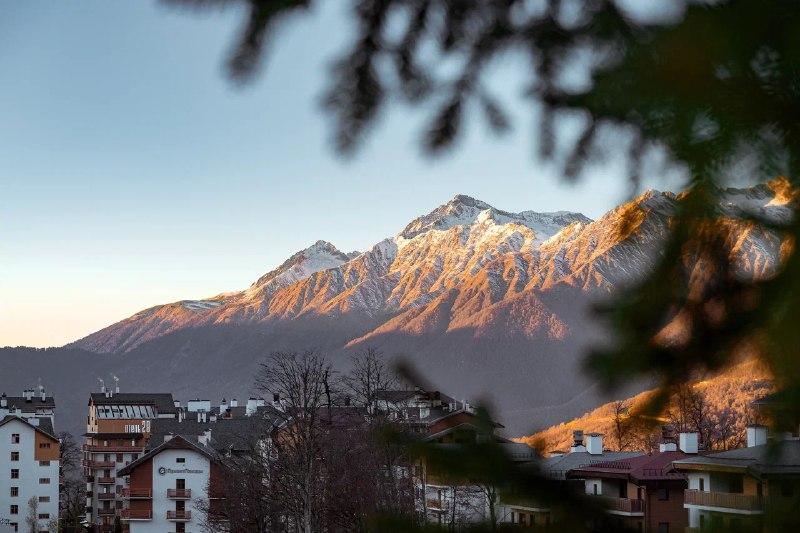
x=45, y=425
x=163, y=401
x=780, y=457
x=30, y=406
x=226, y=433
x=176, y=443
x=558, y=466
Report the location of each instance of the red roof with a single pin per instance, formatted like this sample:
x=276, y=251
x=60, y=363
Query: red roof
x=654, y=467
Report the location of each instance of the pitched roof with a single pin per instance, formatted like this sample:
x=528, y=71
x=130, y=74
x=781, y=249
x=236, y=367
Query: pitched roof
x=45, y=428
x=175, y=443
x=652, y=467
x=30, y=406
x=781, y=457
x=558, y=466
x=162, y=401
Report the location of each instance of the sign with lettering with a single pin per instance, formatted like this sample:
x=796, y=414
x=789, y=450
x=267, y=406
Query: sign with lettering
x=163, y=471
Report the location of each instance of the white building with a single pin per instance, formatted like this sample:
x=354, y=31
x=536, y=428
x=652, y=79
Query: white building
x=168, y=487
x=29, y=472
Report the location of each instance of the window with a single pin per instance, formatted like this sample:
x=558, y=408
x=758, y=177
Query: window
x=14, y=509
x=44, y=516
x=15, y=456
x=181, y=484
x=14, y=473
x=663, y=495
x=14, y=526
x=787, y=489
x=14, y=492
x=702, y=483
x=663, y=527
x=119, y=458
x=736, y=484
x=44, y=445
x=134, y=456
x=594, y=488
x=44, y=481
x=15, y=438
x=44, y=463
x=180, y=459
x=44, y=499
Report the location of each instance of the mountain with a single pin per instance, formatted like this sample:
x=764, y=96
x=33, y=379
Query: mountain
x=485, y=303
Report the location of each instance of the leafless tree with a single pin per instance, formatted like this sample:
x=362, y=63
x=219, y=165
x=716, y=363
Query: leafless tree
x=32, y=520
x=370, y=373
x=304, y=383
x=72, y=501
x=622, y=425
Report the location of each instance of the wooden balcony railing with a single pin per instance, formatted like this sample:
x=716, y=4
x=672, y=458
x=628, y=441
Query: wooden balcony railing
x=105, y=480
x=106, y=496
x=106, y=512
x=724, y=500
x=113, y=448
x=133, y=493
x=136, y=514
x=179, y=494
x=101, y=464
x=179, y=515
x=624, y=505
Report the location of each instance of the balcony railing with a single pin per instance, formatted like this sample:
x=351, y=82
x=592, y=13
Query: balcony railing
x=100, y=464
x=106, y=512
x=106, y=480
x=113, y=448
x=106, y=496
x=179, y=515
x=136, y=514
x=179, y=494
x=624, y=505
x=132, y=493
x=724, y=500
x=434, y=504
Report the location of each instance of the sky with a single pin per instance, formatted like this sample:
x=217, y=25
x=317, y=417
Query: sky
x=134, y=173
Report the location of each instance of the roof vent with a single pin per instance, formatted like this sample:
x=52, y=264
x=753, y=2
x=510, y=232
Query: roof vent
x=594, y=444
x=687, y=442
x=577, y=442
x=756, y=435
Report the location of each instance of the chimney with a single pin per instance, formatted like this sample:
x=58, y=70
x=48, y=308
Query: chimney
x=213, y=417
x=250, y=407
x=594, y=444
x=687, y=442
x=223, y=406
x=756, y=435
x=201, y=416
x=41, y=393
x=205, y=437
x=667, y=443
x=176, y=403
x=28, y=393
x=577, y=442
x=4, y=400
x=234, y=402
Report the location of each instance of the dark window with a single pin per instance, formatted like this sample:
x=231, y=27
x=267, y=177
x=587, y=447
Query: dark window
x=663, y=495
x=594, y=488
x=760, y=489
x=180, y=505
x=15, y=456
x=736, y=485
x=663, y=527
x=44, y=481
x=702, y=484
x=14, y=492
x=44, y=445
x=44, y=499
x=181, y=484
x=14, y=509
x=119, y=458
x=180, y=527
x=15, y=438
x=44, y=463
x=44, y=516
x=14, y=473
x=180, y=459
x=787, y=489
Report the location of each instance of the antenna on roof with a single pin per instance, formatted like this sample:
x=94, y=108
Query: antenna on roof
x=102, y=384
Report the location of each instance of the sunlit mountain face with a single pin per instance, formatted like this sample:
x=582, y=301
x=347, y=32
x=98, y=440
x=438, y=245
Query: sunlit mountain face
x=485, y=303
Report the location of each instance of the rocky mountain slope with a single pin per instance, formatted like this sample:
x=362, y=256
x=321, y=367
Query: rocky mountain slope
x=486, y=303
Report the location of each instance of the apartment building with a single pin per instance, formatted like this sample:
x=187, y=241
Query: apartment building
x=586, y=450
x=644, y=493
x=748, y=489
x=169, y=485
x=118, y=427
x=29, y=472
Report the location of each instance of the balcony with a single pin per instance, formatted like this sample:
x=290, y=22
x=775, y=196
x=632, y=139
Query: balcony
x=113, y=448
x=106, y=496
x=106, y=512
x=725, y=501
x=136, y=514
x=179, y=516
x=106, y=480
x=100, y=464
x=179, y=494
x=624, y=506
x=136, y=494
x=434, y=504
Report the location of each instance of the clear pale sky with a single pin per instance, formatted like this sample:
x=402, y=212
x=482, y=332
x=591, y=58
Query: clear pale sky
x=133, y=173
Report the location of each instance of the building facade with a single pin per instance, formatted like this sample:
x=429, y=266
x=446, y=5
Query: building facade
x=118, y=428
x=29, y=477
